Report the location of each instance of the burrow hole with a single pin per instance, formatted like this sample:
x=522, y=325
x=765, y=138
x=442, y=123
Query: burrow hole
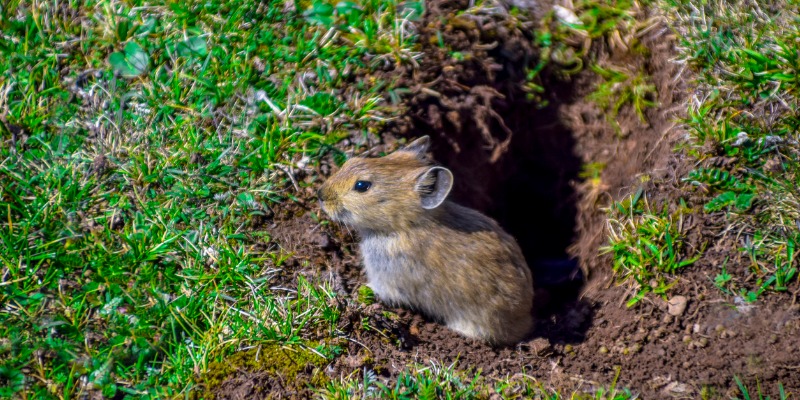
x=529, y=190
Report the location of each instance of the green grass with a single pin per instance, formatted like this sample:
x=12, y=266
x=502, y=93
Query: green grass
x=140, y=141
x=742, y=125
x=742, y=122
x=748, y=395
x=647, y=245
x=446, y=382
x=620, y=87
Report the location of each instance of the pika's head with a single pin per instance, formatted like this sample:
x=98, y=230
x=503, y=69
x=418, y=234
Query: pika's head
x=387, y=193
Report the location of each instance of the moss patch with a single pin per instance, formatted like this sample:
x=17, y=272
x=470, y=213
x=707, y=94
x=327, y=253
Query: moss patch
x=268, y=369
x=365, y=295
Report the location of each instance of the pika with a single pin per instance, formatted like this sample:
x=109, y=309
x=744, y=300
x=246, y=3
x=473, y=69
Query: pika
x=429, y=254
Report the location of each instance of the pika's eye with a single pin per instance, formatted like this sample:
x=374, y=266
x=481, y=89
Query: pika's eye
x=362, y=186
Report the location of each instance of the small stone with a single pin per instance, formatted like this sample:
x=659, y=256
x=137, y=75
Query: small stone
x=323, y=241
x=676, y=389
x=696, y=328
x=541, y=346
x=354, y=361
x=677, y=305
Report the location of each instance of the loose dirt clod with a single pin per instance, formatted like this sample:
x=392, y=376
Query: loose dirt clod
x=677, y=305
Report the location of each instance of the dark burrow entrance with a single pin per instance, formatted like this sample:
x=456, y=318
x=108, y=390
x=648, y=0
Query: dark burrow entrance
x=528, y=187
x=512, y=157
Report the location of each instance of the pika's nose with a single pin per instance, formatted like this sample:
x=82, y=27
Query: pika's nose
x=319, y=194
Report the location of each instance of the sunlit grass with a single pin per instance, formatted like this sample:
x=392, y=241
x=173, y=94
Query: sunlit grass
x=742, y=124
x=139, y=140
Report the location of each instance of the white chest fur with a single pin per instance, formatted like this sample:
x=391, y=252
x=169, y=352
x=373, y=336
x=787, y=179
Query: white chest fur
x=392, y=273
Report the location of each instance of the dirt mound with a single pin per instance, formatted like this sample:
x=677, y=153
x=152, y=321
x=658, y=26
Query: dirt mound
x=519, y=158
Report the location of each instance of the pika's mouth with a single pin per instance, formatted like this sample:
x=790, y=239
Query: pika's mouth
x=333, y=212
x=322, y=206
x=336, y=214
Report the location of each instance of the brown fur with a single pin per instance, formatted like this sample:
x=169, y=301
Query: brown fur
x=422, y=251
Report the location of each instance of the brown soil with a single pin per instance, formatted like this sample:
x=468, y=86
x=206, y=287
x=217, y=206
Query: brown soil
x=519, y=162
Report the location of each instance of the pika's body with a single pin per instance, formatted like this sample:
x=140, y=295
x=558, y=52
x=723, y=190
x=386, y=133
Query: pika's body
x=424, y=252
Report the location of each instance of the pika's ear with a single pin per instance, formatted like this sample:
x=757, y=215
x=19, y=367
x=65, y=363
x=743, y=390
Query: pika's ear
x=419, y=147
x=433, y=186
